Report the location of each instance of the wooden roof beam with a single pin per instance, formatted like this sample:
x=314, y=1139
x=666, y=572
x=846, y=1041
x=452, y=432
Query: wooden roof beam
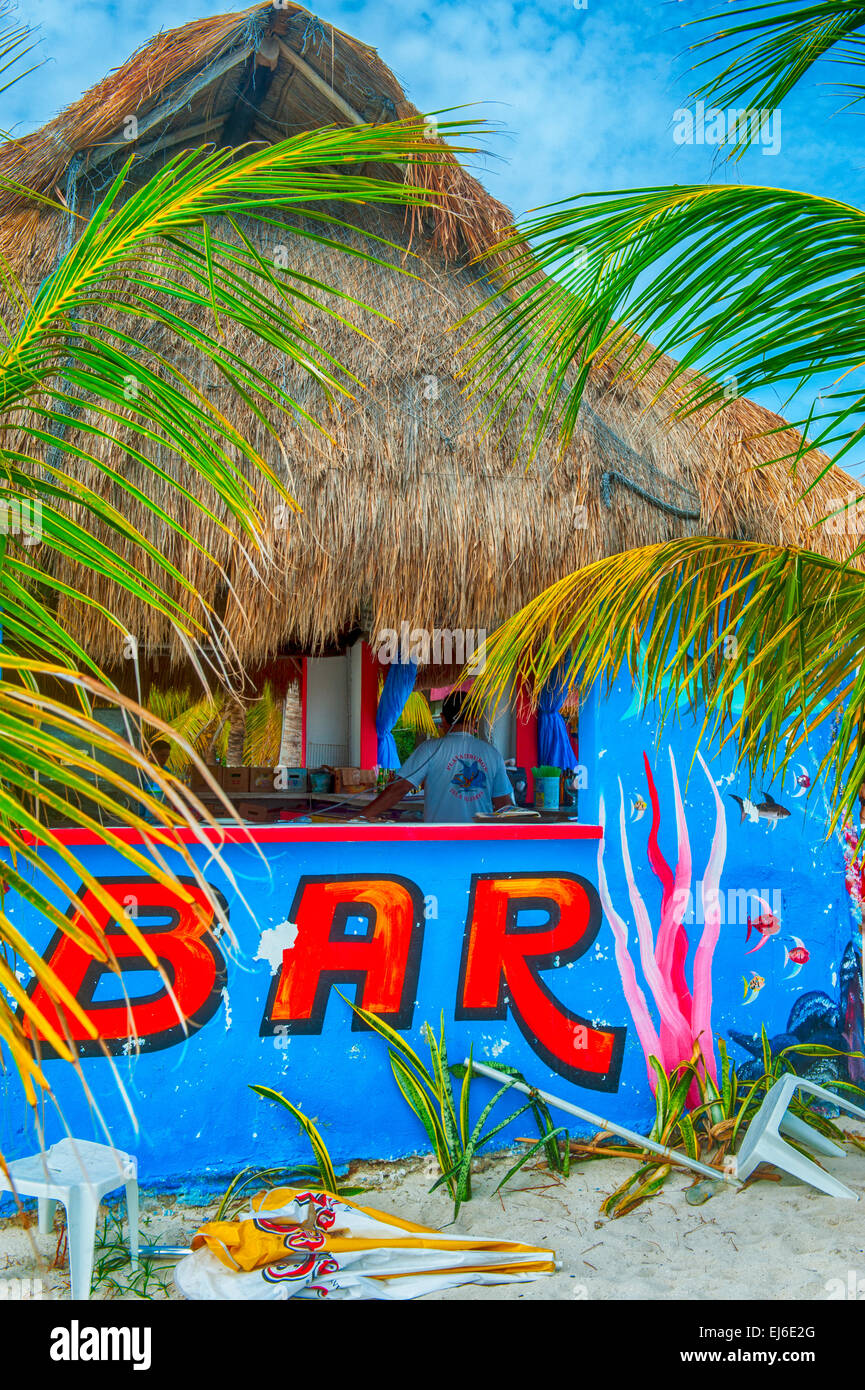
x=166, y=109
x=318, y=82
x=247, y=103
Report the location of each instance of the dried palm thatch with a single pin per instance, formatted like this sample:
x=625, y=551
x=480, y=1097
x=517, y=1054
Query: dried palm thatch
x=407, y=512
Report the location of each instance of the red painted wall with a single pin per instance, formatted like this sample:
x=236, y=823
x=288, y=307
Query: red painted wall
x=303, y=711
x=526, y=741
x=369, y=673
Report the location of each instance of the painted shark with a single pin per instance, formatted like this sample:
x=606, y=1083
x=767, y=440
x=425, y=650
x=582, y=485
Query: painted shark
x=768, y=809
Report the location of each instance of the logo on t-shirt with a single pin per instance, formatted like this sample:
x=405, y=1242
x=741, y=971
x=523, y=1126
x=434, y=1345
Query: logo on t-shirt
x=470, y=778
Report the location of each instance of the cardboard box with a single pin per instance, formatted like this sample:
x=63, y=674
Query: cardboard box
x=295, y=779
x=235, y=779
x=196, y=782
x=262, y=779
x=348, y=781
x=257, y=811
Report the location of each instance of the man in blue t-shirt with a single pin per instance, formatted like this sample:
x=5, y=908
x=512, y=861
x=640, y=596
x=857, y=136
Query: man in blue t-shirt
x=461, y=774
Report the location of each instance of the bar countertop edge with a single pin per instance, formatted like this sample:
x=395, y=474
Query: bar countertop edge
x=300, y=834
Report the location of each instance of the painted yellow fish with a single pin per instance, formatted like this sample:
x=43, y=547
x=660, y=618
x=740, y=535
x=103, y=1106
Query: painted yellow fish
x=752, y=987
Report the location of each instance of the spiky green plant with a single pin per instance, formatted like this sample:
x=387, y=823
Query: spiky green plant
x=319, y=1148
x=712, y=1129
x=454, y=1140
x=320, y=1175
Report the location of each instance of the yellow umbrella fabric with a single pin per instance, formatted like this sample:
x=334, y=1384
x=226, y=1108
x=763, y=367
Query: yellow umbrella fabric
x=304, y=1243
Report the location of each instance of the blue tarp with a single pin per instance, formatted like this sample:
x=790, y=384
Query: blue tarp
x=398, y=685
x=554, y=742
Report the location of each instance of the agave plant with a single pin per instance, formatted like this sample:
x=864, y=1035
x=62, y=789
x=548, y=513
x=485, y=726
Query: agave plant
x=454, y=1140
x=147, y=251
x=321, y=1174
x=760, y=284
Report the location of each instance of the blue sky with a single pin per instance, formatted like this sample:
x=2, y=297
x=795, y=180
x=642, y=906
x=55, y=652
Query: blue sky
x=583, y=97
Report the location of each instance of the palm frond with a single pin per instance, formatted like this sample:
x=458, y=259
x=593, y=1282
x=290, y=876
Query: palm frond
x=192, y=721
x=417, y=716
x=263, y=734
x=764, y=49
x=726, y=277
x=765, y=643
x=147, y=253
x=57, y=760
x=17, y=41
x=197, y=719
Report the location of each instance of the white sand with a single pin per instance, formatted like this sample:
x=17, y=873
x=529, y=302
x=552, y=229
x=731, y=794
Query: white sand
x=771, y=1241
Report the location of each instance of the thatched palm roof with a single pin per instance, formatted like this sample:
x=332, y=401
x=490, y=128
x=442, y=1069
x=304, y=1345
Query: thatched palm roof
x=408, y=514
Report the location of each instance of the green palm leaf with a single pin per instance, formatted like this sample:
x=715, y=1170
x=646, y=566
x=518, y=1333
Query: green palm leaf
x=263, y=729
x=753, y=286
x=765, y=53
x=146, y=258
x=17, y=42
x=711, y=620
x=417, y=715
x=727, y=278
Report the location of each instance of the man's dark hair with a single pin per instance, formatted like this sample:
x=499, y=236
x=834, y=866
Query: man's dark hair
x=453, y=707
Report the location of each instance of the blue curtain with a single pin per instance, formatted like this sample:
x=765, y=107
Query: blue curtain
x=554, y=742
x=398, y=685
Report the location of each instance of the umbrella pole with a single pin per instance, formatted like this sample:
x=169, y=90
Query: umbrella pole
x=672, y=1155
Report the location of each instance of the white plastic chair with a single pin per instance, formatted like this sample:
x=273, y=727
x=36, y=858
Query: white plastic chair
x=78, y=1173
x=763, y=1142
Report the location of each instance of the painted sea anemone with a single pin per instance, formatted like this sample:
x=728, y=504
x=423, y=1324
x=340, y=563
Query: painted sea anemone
x=684, y=1014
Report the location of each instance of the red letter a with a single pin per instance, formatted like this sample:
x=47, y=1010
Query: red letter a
x=384, y=959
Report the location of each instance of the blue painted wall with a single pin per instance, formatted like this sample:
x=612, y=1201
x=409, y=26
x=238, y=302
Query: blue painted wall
x=793, y=859
x=198, y=1120
x=195, y=1111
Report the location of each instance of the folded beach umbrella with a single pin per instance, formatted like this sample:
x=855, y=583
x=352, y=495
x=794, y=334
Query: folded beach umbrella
x=306, y=1244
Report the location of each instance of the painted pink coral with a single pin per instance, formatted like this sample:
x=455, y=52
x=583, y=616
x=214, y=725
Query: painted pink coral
x=685, y=1016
